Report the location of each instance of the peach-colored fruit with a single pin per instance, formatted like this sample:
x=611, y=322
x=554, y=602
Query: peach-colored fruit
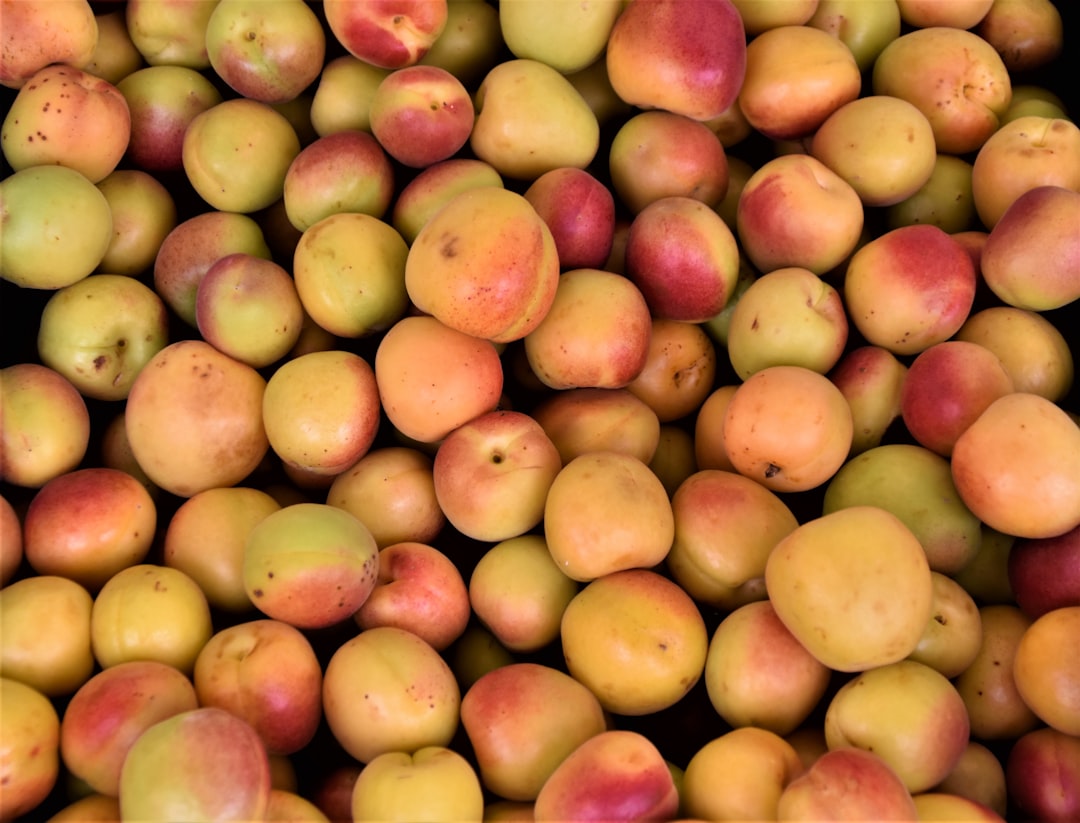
x=847, y=784
x=690, y=61
x=606, y=512
x=796, y=76
x=432, y=378
x=1047, y=678
x=614, y=774
x=418, y=589
x=786, y=446
x=595, y=335
x=387, y=33
x=35, y=36
x=391, y=489
x=636, y=640
x=194, y=418
x=909, y=288
x=111, y=709
x=1017, y=467
x=485, y=264
x=88, y=524
x=523, y=720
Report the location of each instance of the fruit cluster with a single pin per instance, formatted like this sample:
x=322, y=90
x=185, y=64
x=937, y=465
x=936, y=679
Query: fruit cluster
x=459, y=410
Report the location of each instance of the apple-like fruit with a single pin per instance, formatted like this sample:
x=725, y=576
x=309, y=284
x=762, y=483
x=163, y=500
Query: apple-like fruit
x=1042, y=572
x=1043, y=776
x=46, y=640
x=790, y=317
x=530, y=119
x=318, y=185
x=679, y=370
x=953, y=634
x=485, y=264
x=434, y=783
x=248, y=308
x=63, y=32
x=311, y=565
x=101, y=331
x=739, y=775
x=421, y=115
x=908, y=714
x=321, y=411
x=389, y=34
x=1033, y=350
x=757, y=674
x=948, y=385
x=945, y=200
x=30, y=764
x=387, y=690
x=470, y=43
x=518, y=592
x=172, y=33
x=709, y=451
x=865, y=28
x=1024, y=154
x=595, y=334
x=606, y=512
x=643, y=169
x=194, y=418
x=909, y=288
x=223, y=516
x=266, y=53
x=418, y=589
x=883, y=146
x=432, y=188
x=662, y=54
x=342, y=97
x=795, y=211
x=580, y=420
x=822, y=585
x=954, y=77
x=143, y=212
x=193, y=246
x=683, y=258
x=725, y=527
x=433, y=378
x=563, y=35
x=978, y=775
x=109, y=712
x=57, y=227
x=200, y=764
x=88, y=524
x=349, y=270
x=522, y=721
x=150, y=612
x=847, y=784
x=1045, y=678
x=636, y=640
x=67, y=117
x=995, y=709
x=236, y=154
x=492, y=475
x=916, y=485
x=162, y=100
x=614, y=775
x=796, y=77
x=1018, y=458
x=45, y=427
x=1031, y=259
x=579, y=210
x=391, y=489
x=871, y=378
x=266, y=673
x=1027, y=34
x=760, y=428
x=115, y=55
